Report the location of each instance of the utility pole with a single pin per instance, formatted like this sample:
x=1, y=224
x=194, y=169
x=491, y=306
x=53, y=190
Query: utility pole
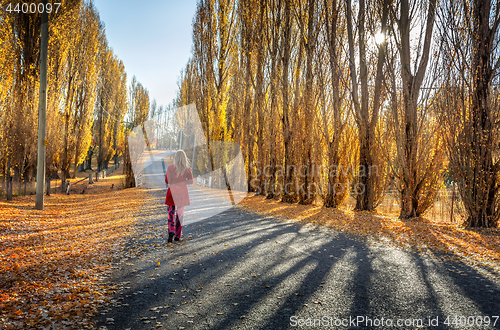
x=42, y=110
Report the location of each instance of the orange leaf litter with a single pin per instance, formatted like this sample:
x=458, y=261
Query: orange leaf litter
x=52, y=261
x=478, y=247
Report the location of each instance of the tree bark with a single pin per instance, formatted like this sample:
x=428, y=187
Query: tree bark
x=273, y=190
x=127, y=165
x=287, y=195
x=337, y=188
x=366, y=185
x=484, y=183
x=259, y=86
x=412, y=183
x=306, y=196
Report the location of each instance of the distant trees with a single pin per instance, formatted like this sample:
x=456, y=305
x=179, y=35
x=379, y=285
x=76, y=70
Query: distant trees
x=111, y=107
x=137, y=114
x=80, y=80
x=19, y=63
x=87, y=93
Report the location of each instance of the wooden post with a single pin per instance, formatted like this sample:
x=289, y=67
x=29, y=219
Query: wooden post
x=9, y=188
x=452, y=201
x=48, y=186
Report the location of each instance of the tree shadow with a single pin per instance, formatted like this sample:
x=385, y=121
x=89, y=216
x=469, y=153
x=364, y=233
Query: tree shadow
x=337, y=275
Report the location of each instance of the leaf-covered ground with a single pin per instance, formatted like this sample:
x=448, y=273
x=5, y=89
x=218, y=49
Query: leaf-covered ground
x=451, y=241
x=52, y=261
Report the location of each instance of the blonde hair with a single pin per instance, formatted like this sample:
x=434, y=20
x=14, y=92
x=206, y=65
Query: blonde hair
x=181, y=162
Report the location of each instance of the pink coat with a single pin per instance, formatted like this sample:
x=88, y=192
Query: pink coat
x=177, y=193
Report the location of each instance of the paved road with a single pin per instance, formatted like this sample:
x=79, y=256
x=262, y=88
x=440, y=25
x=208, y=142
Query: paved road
x=240, y=270
x=154, y=170
x=203, y=204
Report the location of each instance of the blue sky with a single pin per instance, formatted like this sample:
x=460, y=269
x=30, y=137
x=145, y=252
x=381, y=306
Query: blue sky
x=153, y=39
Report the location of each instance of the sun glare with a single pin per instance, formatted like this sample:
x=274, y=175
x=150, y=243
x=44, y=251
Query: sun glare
x=379, y=38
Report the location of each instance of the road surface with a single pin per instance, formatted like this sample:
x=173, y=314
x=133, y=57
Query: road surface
x=241, y=270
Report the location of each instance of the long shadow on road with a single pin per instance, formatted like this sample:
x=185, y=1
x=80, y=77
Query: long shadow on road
x=241, y=270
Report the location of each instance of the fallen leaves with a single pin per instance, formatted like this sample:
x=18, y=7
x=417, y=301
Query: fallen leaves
x=52, y=261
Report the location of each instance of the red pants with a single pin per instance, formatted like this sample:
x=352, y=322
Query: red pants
x=175, y=226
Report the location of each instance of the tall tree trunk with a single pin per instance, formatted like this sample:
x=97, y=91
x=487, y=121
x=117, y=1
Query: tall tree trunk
x=247, y=48
x=337, y=188
x=66, y=157
x=484, y=185
x=273, y=182
x=8, y=178
x=412, y=184
x=287, y=195
x=366, y=185
x=306, y=195
x=259, y=95
x=127, y=164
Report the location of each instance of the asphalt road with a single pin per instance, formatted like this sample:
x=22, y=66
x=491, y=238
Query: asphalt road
x=203, y=205
x=240, y=270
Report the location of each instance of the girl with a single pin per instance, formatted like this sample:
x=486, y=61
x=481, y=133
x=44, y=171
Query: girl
x=179, y=175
